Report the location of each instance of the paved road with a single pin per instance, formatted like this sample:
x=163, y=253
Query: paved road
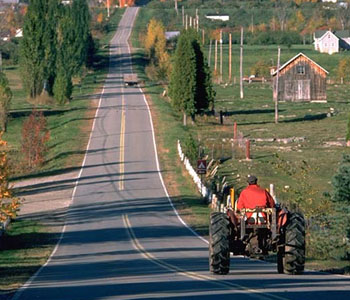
x=122, y=238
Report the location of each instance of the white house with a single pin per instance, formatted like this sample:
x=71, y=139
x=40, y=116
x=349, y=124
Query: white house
x=326, y=41
x=223, y=18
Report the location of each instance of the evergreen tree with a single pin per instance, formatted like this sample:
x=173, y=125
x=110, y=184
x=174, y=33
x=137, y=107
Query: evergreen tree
x=32, y=48
x=182, y=86
x=190, y=87
x=50, y=40
x=65, y=60
x=82, y=37
x=5, y=100
x=341, y=181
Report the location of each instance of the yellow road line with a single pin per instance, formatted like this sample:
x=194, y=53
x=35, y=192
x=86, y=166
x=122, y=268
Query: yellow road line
x=193, y=275
x=122, y=145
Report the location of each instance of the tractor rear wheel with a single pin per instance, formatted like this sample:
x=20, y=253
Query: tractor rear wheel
x=219, y=250
x=294, y=249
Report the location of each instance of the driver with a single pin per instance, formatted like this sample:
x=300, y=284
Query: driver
x=253, y=195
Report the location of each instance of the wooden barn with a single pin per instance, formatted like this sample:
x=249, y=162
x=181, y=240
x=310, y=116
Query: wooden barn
x=300, y=79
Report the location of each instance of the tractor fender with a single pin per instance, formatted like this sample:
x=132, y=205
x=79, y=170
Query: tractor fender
x=282, y=218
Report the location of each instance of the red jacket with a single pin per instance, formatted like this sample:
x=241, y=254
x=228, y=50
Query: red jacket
x=253, y=196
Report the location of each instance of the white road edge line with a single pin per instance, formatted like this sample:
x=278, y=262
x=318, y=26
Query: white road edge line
x=36, y=274
x=156, y=155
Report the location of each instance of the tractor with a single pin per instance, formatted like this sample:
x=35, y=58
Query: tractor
x=254, y=233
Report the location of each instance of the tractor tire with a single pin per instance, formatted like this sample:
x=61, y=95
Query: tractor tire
x=280, y=267
x=219, y=249
x=294, y=249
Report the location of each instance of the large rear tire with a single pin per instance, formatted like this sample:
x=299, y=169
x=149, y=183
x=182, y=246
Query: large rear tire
x=294, y=250
x=219, y=249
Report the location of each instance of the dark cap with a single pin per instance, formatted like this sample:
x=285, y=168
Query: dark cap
x=252, y=179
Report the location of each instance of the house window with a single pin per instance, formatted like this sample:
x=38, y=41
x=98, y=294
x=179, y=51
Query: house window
x=300, y=70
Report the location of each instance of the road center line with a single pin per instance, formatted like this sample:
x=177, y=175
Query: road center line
x=122, y=144
x=255, y=293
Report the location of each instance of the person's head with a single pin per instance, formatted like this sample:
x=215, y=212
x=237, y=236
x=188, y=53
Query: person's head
x=252, y=179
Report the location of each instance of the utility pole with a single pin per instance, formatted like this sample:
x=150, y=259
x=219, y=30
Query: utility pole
x=276, y=91
x=216, y=56
x=177, y=12
x=241, y=66
x=183, y=15
x=108, y=13
x=220, y=56
x=230, y=57
x=209, y=54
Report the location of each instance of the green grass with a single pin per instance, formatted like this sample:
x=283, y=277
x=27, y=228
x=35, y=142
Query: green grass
x=23, y=249
x=301, y=171
x=69, y=124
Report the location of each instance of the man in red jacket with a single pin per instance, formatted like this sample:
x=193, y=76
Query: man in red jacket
x=253, y=196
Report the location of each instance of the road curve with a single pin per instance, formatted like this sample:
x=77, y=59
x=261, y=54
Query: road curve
x=122, y=238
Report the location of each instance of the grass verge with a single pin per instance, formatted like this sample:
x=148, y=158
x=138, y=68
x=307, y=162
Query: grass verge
x=24, y=248
x=27, y=244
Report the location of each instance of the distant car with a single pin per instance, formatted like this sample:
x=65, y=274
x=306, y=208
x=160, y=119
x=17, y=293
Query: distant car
x=130, y=79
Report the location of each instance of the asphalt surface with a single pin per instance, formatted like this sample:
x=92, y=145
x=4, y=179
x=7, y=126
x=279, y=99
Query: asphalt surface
x=122, y=238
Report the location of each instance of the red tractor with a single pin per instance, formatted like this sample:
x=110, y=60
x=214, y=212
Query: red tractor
x=254, y=233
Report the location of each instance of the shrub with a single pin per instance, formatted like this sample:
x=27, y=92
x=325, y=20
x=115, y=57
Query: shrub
x=9, y=204
x=35, y=136
x=190, y=148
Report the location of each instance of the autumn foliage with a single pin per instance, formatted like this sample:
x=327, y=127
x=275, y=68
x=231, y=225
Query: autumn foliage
x=9, y=204
x=35, y=136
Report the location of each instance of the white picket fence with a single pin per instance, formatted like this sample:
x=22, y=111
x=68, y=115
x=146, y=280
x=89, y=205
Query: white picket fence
x=205, y=192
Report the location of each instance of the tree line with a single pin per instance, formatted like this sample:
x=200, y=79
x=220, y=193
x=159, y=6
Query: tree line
x=56, y=45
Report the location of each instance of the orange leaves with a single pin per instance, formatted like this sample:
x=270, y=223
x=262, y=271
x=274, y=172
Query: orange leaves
x=9, y=205
x=35, y=136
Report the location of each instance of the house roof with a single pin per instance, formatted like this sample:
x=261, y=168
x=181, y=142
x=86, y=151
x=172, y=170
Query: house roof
x=294, y=58
x=319, y=33
x=342, y=33
x=339, y=33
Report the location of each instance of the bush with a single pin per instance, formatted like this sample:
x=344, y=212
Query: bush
x=190, y=148
x=35, y=136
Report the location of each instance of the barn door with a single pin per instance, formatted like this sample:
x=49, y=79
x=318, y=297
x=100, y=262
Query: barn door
x=303, y=92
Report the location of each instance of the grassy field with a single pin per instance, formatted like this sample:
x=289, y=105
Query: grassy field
x=27, y=244
x=301, y=170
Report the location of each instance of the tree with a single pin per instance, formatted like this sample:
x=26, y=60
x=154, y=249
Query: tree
x=343, y=13
x=81, y=27
x=35, y=136
x=344, y=69
x=155, y=45
x=32, y=48
x=9, y=204
x=5, y=100
x=341, y=181
x=190, y=87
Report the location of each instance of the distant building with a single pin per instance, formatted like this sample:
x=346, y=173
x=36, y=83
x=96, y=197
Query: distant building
x=9, y=1
x=171, y=34
x=301, y=79
x=223, y=18
x=326, y=41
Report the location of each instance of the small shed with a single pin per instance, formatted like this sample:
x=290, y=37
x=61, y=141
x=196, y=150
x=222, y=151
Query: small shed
x=300, y=79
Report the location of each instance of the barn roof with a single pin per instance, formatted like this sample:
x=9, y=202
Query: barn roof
x=297, y=56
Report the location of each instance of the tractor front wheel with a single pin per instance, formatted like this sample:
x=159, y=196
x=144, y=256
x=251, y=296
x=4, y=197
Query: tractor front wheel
x=219, y=250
